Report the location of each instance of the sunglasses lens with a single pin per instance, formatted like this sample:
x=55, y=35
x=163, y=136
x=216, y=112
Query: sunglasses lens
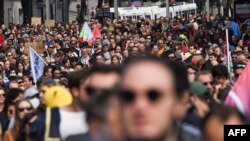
x=21, y=109
x=153, y=95
x=127, y=96
x=2, y=95
x=90, y=90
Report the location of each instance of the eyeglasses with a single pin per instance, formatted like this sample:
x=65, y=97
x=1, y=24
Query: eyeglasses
x=129, y=97
x=91, y=91
x=20, y=82
x=206, y=83
x=22, y=109
x=171, y=57
x=2, y=95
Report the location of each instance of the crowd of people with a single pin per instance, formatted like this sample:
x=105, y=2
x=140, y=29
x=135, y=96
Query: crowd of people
x=141, y=80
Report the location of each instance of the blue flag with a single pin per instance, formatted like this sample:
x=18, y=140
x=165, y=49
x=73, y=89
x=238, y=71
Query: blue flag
x=37, y=64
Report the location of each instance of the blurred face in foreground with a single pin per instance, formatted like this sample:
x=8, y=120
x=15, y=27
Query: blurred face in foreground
x=147, y=100
x=214, y=129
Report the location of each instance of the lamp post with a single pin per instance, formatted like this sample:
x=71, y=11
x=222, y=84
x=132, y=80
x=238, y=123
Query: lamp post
x=167, y=8
x=116, y=8
x=88, y=13
x=78, y=12
x=55, y=11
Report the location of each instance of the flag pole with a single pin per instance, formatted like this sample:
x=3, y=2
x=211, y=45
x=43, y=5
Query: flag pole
x=228, y=52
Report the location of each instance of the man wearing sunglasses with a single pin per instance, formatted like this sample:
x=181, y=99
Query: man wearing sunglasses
x=87, y=86
x=206, y=78
x=151, y=95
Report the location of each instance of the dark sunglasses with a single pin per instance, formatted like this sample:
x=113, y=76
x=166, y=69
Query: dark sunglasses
x=24, y=108
x=92, y=92
x=206, y=83
x=2, y=95
x=171, y=57
x=20, y=82
x=128, y=96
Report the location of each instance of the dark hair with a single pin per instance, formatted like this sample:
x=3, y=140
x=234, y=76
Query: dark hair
x=192, y=66
x=220, y=70
x=213, y=54
x=29, y=77
x=44, y=81
x=166, y=53
x=79, y=64
x=178, y=70
x=11, y=95
x=19, y=124
x=223, y=113
x=64, y=60
x=74, y=79
x=54, y=69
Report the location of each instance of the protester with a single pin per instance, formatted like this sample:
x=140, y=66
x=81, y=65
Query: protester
x=151, y=100
x=213, y=124
x=144, y=95
x=23, y=116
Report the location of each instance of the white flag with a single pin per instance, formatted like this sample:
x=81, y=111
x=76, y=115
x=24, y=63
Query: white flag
x=37, y=64
x=86, y=33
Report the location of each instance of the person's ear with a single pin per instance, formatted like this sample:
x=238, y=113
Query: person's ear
x=192, y=99
x=75, y=92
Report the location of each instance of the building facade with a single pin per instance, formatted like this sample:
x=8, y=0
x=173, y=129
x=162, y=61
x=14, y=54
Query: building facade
x=46, y=9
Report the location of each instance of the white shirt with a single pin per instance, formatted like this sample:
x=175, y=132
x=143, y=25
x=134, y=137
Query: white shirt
x=85, y=60
x=72, y=123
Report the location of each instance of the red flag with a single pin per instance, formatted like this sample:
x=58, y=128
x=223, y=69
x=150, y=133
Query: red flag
x=239, y=96
x=96, y=32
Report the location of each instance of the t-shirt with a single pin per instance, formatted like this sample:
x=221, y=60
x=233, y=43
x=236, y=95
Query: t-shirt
x=72, y=123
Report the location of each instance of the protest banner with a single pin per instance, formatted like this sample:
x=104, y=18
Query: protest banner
x=36, y=21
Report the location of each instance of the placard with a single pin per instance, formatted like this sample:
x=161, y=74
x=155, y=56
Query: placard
x=49, y=23
x=37, y=46
x=36, y=21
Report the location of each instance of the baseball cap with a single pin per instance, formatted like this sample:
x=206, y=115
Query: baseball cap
x=239, y=65
x=198, y=89
x=31, y=92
